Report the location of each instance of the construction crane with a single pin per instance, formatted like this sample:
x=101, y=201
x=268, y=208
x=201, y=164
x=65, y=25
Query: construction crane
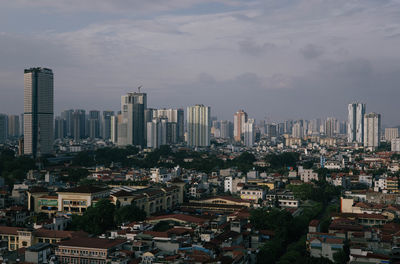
x=139, y=88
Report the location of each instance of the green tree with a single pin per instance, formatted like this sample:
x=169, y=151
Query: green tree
x=162, y=226
x=97, y=219
x=340, y=257
x=129, y=213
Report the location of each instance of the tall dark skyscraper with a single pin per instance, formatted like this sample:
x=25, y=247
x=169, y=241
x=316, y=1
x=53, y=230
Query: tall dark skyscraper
x=69, y=126
x=94, y=124
x=78, y=124
x=38, y=111
x=3, y=128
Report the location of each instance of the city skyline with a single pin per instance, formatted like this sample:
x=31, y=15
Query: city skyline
x=307, y=63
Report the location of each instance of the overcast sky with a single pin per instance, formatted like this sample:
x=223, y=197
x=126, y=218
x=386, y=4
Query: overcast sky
x=282, y=59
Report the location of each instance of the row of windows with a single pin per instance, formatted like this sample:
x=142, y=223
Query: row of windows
x=82, y=252
x=81, y=261
x=68, y=202
x=254, y=193
x=47, y=240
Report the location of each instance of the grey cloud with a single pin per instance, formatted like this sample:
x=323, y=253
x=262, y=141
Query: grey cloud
x=114, y=6
x=311, y=51
x=252, y=48
x=249, y=58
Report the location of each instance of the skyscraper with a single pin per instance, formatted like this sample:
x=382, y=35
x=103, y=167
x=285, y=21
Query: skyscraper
x=106, y=124
x=198, y=125
x=60, y=128
x=249, y=132
x=69, y=124
x=3, y=128
x=157, y=132
x=79, y=124
x=391, y=133
x=297, y=130
x=226, y=129
x=239, y=119
x=173, y=116
x=372, y=130
x=355, y=122
x=132, y=127
x=13, y=126
x=114, y=129
x=94, y=124
x=330, y=126
x=38, y=111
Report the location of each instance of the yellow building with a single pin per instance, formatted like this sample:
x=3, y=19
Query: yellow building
x=77, y=200
x=392, y=185
x=18, y=237
x=151, y=200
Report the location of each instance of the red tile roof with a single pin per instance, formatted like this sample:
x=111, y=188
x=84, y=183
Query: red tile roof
x=179, y=217
x=99, y=243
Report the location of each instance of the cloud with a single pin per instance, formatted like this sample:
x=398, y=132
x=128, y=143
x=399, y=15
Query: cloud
x=252, y=48
x=311, y=51
x=114, y=6
x=288, y=58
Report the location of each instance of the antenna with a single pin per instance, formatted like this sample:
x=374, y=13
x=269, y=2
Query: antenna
x=139, y=88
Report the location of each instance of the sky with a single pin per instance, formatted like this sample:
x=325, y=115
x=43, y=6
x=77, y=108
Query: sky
x=281, y=59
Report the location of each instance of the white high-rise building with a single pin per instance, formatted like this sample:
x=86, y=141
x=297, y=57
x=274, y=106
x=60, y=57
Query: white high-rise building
x=395, y=144
x=355, y=124
x=297, y=130
x=391, y=133
x=198, y=125
x=173, y=116
x=157, y=132
x=372, y=130
x=249, y=132
x=114, y=129
x=38, y=111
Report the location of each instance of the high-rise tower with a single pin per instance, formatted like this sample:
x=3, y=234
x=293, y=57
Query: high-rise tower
x=239, y=119
x=198, y=125
x=355, y=122
x=38, y=111
x=372, y=130
x=132, y=127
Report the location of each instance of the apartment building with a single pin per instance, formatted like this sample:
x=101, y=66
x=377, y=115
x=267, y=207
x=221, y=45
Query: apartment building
x=87, y=250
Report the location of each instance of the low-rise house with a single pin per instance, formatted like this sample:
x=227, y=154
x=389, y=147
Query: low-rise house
x=252, y=193
x=324, y=245
x=38, y=253
x=308, y=175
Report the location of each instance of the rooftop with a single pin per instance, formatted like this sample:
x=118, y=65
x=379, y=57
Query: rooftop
x=88, y=242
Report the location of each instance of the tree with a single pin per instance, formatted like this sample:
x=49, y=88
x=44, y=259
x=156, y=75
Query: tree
x=162, y=226
x=129, y=213
x=97, y=219
x=76, y=175
x=340, y=257
x=84, y=158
